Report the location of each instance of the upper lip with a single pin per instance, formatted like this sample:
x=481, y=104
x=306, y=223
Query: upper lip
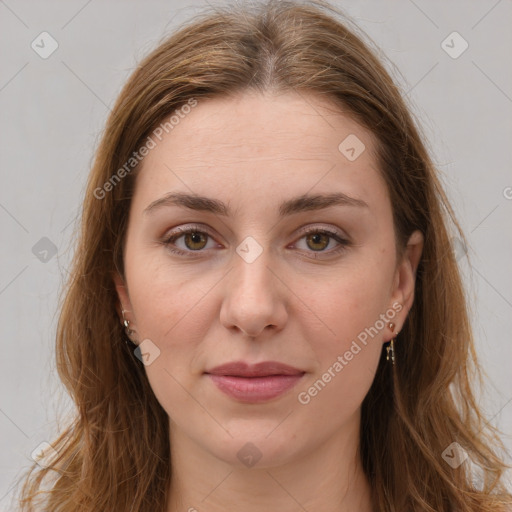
x=243, y=369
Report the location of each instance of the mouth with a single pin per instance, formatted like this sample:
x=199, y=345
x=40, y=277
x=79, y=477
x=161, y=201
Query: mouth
x=255, y=383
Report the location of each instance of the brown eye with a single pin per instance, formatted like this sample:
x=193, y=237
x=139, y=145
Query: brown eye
x=186, y=241
x=321, y=242
x=317, y=241
x=195, y=240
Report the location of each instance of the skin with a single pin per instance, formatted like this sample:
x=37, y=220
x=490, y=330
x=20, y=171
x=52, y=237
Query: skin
x=210, y=306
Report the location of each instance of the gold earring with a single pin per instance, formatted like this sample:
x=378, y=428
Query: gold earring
x=390, y=349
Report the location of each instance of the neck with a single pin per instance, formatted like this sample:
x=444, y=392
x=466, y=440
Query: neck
x=328, y=477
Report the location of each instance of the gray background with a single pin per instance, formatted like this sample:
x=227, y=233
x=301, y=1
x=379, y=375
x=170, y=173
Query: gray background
x=53, y=111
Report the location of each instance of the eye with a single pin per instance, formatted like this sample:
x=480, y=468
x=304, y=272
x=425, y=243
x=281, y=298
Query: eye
x=317, y=240
x=194, y=239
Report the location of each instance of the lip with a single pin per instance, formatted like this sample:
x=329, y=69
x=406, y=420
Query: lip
x=264, y=369
x=254, y=383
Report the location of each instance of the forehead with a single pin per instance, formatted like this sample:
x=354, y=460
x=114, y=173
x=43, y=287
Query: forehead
x=267, y=142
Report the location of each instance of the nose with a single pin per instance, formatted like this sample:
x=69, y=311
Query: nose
x=254, y=297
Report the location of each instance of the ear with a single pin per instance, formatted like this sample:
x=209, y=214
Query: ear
x=405, y=278
x=122, y=294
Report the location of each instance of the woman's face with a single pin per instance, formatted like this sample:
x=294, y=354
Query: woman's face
x=291, y=259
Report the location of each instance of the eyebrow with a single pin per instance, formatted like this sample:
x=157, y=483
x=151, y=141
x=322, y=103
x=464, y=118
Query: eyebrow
x=289, y=207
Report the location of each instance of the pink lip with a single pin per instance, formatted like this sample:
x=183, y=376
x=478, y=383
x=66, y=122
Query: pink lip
x=254, y=383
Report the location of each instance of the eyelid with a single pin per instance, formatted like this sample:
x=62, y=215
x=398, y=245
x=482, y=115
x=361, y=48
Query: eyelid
x=336, y=232
x=186, y=228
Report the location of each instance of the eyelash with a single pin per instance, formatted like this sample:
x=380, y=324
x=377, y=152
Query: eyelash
x=171, y=239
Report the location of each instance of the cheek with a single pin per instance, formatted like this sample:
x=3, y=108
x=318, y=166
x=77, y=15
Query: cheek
x=162, y=295
x=334, y=396
x=343, y=308
x=346, y=334
x=170, y=311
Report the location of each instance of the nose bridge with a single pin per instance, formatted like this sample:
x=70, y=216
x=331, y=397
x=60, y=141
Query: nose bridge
x=252, y=270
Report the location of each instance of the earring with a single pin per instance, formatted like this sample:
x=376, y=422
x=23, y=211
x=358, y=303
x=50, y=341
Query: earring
x=390, y=349
x=126, y=324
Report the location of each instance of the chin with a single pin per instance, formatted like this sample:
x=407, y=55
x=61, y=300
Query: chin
x=257, y=449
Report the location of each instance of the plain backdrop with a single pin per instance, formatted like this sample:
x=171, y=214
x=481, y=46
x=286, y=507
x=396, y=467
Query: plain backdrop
x=53, y=110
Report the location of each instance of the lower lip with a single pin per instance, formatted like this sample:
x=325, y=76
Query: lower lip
x=255, y=389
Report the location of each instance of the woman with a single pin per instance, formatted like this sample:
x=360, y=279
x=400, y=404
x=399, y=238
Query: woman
x=264, y=311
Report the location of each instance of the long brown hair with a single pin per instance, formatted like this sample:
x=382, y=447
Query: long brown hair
x=114, y=454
